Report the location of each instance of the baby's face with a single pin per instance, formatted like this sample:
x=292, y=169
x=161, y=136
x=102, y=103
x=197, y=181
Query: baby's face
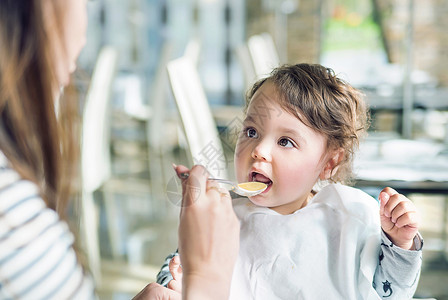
x=275, y=147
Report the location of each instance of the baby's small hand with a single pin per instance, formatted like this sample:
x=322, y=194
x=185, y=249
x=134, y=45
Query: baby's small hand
x=399, y=218
x=176, y=271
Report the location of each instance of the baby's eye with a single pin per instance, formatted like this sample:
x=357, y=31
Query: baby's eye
x=285, y=142
x=251, y=133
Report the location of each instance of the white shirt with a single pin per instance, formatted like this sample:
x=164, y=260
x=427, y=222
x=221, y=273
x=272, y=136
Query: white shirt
x=329, y=249
x=326, y=250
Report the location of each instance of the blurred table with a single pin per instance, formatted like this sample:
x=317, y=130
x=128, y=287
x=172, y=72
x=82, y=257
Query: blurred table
x=406, y=187
x=407, y=165
x=391, y=98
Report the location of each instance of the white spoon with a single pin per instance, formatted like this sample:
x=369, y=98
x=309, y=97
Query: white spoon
x=246, y=189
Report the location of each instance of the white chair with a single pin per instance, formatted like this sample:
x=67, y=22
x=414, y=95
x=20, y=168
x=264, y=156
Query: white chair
x=264, y=54
x=158, y=147
x=157, y=128
x=193, y=50
x=95, y=154
x=243, y=55
x=157, y=144
x=199, y=126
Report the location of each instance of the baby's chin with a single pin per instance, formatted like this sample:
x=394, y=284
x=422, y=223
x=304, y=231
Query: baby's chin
x=260, y=200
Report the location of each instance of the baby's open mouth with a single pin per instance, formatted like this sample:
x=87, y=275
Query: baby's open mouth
x=254, y=176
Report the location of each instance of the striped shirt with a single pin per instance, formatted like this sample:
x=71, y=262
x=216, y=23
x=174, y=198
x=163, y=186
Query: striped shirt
x=37, y=260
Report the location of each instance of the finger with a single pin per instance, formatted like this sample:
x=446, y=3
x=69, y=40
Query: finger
x=156, y=291
x=225, y=196
x=384, y=198
x=394, y=200
x=175, y=268
x=408, y=219
x=194, y=186
x=213, y=197
x=401, y=208
x=175, y=285
x=212, y=185
x=180, y=170
x=214, y=190
x=390, y=191
x=387, y=225
x=219, y=193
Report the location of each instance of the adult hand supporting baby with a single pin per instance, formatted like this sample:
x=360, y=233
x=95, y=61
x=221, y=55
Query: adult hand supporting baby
x=208, y=236
x=155, y=291
x=399, y=218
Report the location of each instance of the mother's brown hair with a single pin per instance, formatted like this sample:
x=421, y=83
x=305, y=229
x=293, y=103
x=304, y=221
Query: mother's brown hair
x=38, y=141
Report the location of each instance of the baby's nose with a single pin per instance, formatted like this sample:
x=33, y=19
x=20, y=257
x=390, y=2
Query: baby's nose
x=262, y=152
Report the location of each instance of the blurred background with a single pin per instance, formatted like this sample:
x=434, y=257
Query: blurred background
x=155, y=73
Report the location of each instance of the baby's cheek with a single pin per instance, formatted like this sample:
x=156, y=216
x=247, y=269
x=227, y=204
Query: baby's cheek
x=290, y=180
x=239, y=168
x=242, y=148
x=301, y=175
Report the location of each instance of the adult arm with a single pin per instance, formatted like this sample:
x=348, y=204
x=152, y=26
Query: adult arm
x=208, y=237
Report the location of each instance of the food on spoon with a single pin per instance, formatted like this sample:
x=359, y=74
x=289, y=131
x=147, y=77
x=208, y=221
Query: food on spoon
x=252, y=186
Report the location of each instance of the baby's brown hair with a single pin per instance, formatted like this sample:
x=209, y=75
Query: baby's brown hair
x=325, y=103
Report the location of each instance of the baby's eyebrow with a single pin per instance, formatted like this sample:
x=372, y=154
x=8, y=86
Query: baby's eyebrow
x=250, y=119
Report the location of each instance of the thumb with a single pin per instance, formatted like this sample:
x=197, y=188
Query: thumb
x=194, y=185
x=180, y=170
x=384, y=198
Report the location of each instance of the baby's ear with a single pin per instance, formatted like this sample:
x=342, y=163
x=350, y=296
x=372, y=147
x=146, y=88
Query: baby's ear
x=332, y=164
